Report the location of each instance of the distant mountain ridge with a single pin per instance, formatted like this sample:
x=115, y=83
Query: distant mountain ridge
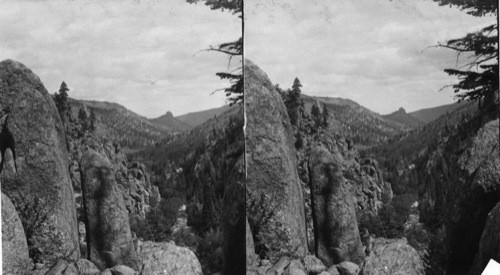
x=115, y=122
x=196, y=118
x=401, y=116
x=169, y=122
x=349, y=119
x=429, y=114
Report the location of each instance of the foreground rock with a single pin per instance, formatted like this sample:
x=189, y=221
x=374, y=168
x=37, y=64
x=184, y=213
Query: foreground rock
x=275, y=205
x=250, y=246
x=336, y=227
x=489, y=246
x=37, y=180
x=167, y=258
x=15, y=256
x=393, y=257
x=109, y=238
x=349, y=268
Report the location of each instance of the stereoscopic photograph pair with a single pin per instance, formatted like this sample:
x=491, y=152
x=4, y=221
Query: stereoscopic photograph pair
x=260, y=137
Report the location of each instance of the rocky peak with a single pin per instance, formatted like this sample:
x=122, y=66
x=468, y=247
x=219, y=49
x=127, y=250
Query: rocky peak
x=402, y=110
x=169, y=115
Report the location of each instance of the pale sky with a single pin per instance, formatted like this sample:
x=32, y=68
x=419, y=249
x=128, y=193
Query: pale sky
x=367, y=50
x=135, y=53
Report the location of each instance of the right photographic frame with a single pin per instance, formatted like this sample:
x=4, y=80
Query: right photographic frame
x=371, y=136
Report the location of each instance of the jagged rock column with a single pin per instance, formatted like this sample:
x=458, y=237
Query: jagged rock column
x=109, y=238
x=335, y=226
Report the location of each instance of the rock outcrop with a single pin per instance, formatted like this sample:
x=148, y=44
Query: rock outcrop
x=275, y=204
x=489, y=245
x=481, y=159
x=139, y=194
x=336, y=229
x=366, y=186
x=15, y=257
x=109, y=239
x=133, y=180
x=35, y=172
x=167, y=258
x=393, y=257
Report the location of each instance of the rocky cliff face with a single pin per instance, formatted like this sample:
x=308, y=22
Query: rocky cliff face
x=489, y=245
x=34, y=168
x=460, y=188
x=275, y=204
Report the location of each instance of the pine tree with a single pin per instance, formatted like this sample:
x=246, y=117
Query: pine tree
x=61, y=101
x=234, y=93
x=293, y=103
x=316, y=116
x=92, y=121
x=326, y=116
x=478, y=78
x=295, y=93
x=83, y=121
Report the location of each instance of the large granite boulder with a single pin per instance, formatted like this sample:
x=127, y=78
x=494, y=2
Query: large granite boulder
x=167, y=258
x=275, y=205
x=15, y=257
x=336, y=228
x=393, y=256
x=37, y=180
x=109, y=238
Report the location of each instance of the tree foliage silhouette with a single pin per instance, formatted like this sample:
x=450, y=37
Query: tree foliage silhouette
x=478, y=77
x=234, y=93
x=292, y=101
x=61, y=100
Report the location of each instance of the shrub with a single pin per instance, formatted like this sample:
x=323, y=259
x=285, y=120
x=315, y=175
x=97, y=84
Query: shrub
x=187, y=238
x=299, y=141
x=389, y=222
x=170, y=209
x=157, y=226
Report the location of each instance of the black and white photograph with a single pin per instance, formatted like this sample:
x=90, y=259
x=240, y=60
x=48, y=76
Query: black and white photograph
x=372, y=136
x=122, y=137
x=257, y=137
